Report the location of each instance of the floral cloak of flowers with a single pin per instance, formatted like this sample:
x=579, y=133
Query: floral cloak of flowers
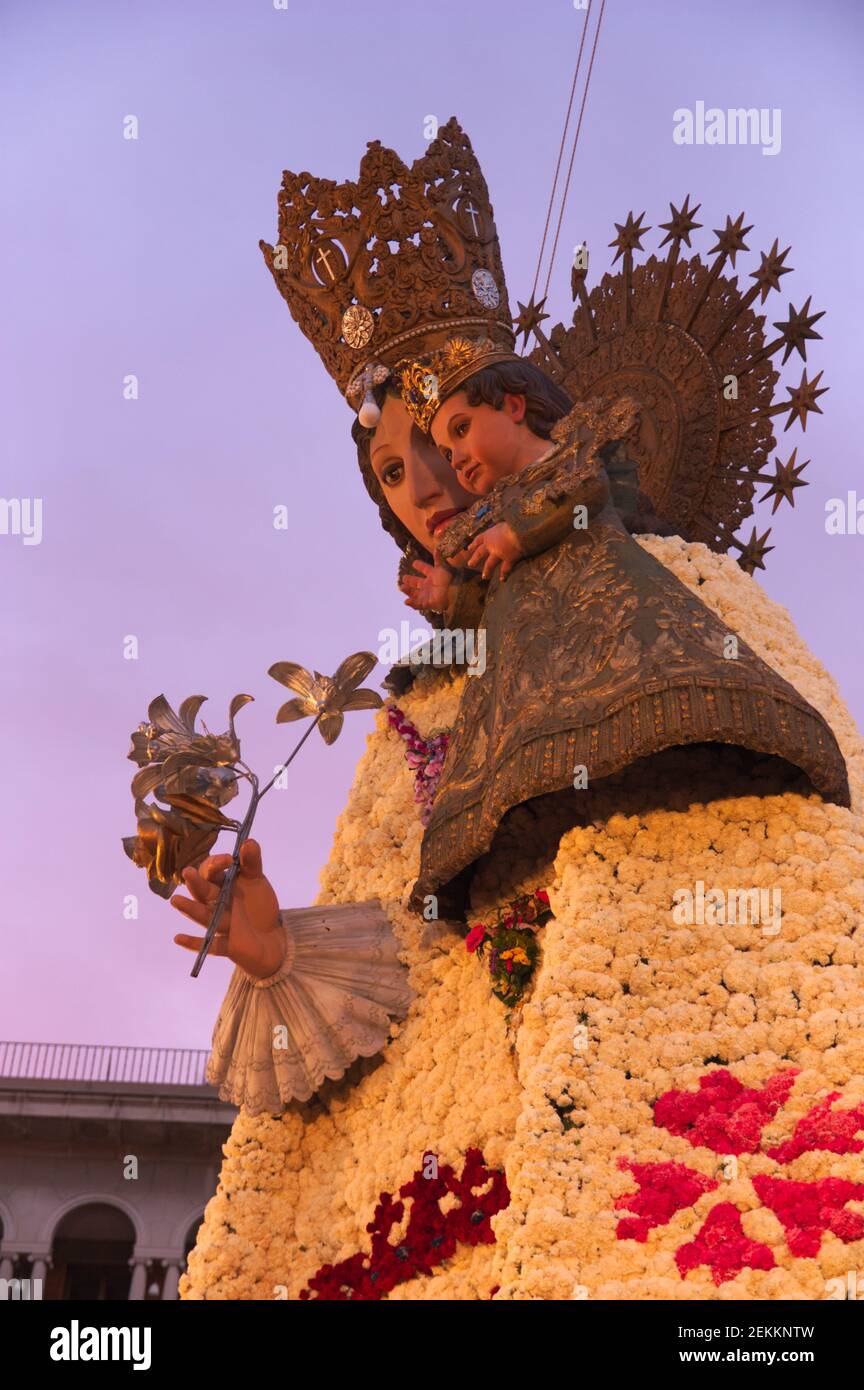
x=625, y=1008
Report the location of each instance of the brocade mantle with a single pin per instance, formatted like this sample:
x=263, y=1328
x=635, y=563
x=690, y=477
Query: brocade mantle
x=596, y=656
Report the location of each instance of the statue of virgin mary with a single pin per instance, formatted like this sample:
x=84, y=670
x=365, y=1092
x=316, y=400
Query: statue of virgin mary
x=675, y=1109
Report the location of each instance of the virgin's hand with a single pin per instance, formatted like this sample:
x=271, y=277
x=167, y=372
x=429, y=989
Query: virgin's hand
x=248, y=930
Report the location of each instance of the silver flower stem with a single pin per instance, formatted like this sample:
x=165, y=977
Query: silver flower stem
x=290, y=760
x=234, y=867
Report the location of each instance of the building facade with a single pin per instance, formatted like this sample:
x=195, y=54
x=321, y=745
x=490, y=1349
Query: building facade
x=108, y=1157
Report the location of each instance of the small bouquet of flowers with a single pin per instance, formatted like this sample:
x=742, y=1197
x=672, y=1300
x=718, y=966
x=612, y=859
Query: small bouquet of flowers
x=425, y=758
x=511, y=943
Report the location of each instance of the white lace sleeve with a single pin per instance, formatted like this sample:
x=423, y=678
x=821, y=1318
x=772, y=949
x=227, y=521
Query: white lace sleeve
x=330, y=1001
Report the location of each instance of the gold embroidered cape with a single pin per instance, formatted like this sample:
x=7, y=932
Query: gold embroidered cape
x=596, y=656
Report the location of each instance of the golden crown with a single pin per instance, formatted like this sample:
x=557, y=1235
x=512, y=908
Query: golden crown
x=427, y=381
x=386, y=269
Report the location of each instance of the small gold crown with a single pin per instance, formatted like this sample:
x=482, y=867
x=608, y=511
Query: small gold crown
x=395, y=264
x=429, y=380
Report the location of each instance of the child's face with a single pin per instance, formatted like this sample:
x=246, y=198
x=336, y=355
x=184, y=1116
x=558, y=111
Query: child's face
x=481, y=443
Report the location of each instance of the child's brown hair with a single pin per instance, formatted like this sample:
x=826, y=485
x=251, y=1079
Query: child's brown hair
x=545, y=401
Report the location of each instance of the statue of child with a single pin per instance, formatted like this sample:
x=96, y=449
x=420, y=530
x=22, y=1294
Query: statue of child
x=597, y=655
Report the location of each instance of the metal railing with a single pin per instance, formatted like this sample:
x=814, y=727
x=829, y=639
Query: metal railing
x=162, y=1066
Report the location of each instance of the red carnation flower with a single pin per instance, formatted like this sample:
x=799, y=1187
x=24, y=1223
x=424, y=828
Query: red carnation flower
x=474, y=937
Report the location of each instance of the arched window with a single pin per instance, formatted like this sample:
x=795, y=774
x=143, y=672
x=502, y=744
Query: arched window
x=91, y=1250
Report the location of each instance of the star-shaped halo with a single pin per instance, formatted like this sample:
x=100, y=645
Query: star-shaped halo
x=802, y=399
x=731, y=239
x=787, y=476
x=629, y=236
x=753, y=553
x=771, y=267
x=797, y=328
x=682, y=223
x=529, y=318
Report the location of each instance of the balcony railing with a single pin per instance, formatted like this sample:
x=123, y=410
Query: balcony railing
x=158, y=1066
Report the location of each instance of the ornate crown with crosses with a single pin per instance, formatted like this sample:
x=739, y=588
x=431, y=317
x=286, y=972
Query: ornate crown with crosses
x=399, y=275
x=382, y=272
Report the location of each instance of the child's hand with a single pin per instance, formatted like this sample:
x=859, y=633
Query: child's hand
x=497, y=545
x=428, y=589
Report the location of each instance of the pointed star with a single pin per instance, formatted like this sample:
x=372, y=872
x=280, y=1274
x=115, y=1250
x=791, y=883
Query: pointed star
x=754, y=552
x=529, y=318
x=787, y=476
x=802, y=398
x=683, y=222
x=797, y=328
x=767, y=277
x=629, y=236
x=731, y=240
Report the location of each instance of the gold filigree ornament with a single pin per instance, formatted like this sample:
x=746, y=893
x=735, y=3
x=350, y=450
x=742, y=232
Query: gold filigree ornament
x=429, y=380
x=419, y=382
x=358, y=325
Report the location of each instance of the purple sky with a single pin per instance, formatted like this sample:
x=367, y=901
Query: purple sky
x=142, y=257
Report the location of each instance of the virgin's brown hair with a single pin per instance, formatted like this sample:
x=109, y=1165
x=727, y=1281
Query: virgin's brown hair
x=362, y=437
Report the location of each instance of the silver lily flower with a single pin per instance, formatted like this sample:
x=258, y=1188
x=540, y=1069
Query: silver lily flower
x=327, y=698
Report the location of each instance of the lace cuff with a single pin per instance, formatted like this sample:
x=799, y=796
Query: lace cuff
x=330, y=1002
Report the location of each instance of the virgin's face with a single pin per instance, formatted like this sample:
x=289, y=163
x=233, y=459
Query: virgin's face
x=419, y=486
